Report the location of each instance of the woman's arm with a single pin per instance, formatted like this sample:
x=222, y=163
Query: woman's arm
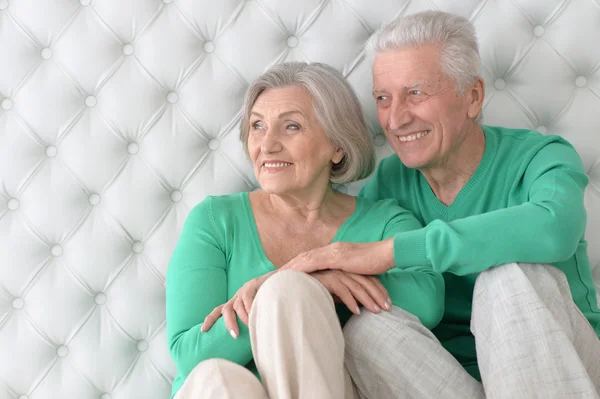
x=418, y=290
x=196, y=284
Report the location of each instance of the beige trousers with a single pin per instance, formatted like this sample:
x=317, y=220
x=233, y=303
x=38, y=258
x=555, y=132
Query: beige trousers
x=297, y=344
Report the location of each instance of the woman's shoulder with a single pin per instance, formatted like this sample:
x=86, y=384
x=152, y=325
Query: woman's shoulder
x=385, y=208
x=219, y=207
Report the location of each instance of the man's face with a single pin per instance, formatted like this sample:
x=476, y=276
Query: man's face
x=418, y=106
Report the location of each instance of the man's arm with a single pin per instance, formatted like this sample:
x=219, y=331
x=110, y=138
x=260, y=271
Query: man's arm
x=196, y=284
x=544, y=229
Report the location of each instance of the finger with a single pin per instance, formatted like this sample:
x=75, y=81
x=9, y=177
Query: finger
x=337, y=288
x=230, y=320
x=375, y=289
x=211, y=319
x=359, y=292
x=239, y=308
x=248, y=299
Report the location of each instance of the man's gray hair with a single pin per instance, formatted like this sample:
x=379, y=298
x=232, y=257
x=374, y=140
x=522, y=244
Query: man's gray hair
x=454, y=34
x=336, y=107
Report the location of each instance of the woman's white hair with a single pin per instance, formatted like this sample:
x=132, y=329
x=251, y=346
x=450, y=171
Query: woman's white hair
x=454, y=34
x=336, y=107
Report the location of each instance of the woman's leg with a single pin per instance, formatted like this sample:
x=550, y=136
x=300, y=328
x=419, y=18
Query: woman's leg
x=220, y=378
x=297, y=340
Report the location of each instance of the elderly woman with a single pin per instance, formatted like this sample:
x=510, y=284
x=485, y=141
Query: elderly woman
x=303, y=129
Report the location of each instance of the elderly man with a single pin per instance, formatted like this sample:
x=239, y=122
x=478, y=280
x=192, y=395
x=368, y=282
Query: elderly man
x=504, y=222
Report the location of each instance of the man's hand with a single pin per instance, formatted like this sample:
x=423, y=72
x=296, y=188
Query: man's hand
x=352, y=289
x=365, y=258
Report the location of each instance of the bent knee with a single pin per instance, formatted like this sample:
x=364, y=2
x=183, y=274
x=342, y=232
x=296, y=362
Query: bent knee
x=508, y=281
x=290, y=285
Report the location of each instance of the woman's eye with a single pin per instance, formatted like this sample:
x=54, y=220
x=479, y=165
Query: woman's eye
x=415, y=92
x=292, y=126
x=256, y=125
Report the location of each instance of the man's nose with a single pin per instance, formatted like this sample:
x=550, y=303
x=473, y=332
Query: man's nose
x=399, y=116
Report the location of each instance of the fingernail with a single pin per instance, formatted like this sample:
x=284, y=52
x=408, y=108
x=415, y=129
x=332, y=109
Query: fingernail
x=389, y=300
x=377, y=309
x=387, y=305
x=357, y=310
x=233, y=334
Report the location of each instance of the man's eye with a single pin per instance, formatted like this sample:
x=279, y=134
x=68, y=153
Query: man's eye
x=381, y=98
x=415, y=92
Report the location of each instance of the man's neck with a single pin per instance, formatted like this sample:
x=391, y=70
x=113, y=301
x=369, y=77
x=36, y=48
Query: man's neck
x=447, y=179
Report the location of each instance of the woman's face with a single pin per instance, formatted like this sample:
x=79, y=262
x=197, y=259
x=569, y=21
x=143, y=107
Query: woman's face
x=288, y=147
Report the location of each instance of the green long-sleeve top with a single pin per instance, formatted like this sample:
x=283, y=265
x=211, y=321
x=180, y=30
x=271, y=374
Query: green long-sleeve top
x=524, y=203
x=219, y=250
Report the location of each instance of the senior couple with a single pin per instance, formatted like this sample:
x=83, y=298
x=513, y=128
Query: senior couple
x=459, y=271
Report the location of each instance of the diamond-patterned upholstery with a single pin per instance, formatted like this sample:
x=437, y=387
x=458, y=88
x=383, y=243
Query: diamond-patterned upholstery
x=117, y=117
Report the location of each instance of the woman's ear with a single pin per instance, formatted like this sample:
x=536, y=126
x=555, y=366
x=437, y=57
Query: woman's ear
x=338, y=155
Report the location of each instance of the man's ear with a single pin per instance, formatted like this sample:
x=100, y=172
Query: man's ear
x=475, y=98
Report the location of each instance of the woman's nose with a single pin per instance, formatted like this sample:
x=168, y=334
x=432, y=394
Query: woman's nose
x=270, y=143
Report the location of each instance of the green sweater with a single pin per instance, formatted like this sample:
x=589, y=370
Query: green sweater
x=524, y=203
x=219, y=250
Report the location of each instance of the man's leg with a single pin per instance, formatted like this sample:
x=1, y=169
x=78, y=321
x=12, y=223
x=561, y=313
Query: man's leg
x=532, y=340
x=220, y=378
x=392, y=355
x=297, y=340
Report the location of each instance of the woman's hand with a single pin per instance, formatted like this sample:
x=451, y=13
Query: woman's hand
x=239, y=304
x=360, y=258
x=352, y=289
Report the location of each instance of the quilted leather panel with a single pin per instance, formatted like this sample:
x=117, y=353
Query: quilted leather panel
x=116, y=118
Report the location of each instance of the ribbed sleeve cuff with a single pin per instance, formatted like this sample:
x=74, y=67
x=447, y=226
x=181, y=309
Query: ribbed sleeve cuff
x=409, y=249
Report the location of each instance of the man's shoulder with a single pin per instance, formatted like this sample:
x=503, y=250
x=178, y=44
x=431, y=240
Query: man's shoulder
x=521, y=138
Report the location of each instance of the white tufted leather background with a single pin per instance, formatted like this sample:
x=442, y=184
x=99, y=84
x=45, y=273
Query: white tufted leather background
x=117, y=117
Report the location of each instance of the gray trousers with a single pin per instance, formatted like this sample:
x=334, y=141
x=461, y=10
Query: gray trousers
x=531, y=339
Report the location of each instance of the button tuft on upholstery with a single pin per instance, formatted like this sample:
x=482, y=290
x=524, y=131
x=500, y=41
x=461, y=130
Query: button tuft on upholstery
x=85, y=2
x=3, y=4
x=128, y=49
x=46, y=53
x=542, y=129
x=105, y=395
x=499, y=84
x=209, y=47
x=581, y=81
x=137, y=247
x=94, y=199
x=18, y=303
x=379, y=140
x=172, y=97
x=13, y=204
x=91, y=101
x=51, y=151
x=213, y=144
x=7, y=103
x=538, y=31
x=176, y=196
x=62, y=351
x=56, y=250
x=292, y=41
x=142, y=346
x=100, y=298
x=133, y=148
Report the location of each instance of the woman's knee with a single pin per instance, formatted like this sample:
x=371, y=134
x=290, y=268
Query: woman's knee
x=289, y=285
